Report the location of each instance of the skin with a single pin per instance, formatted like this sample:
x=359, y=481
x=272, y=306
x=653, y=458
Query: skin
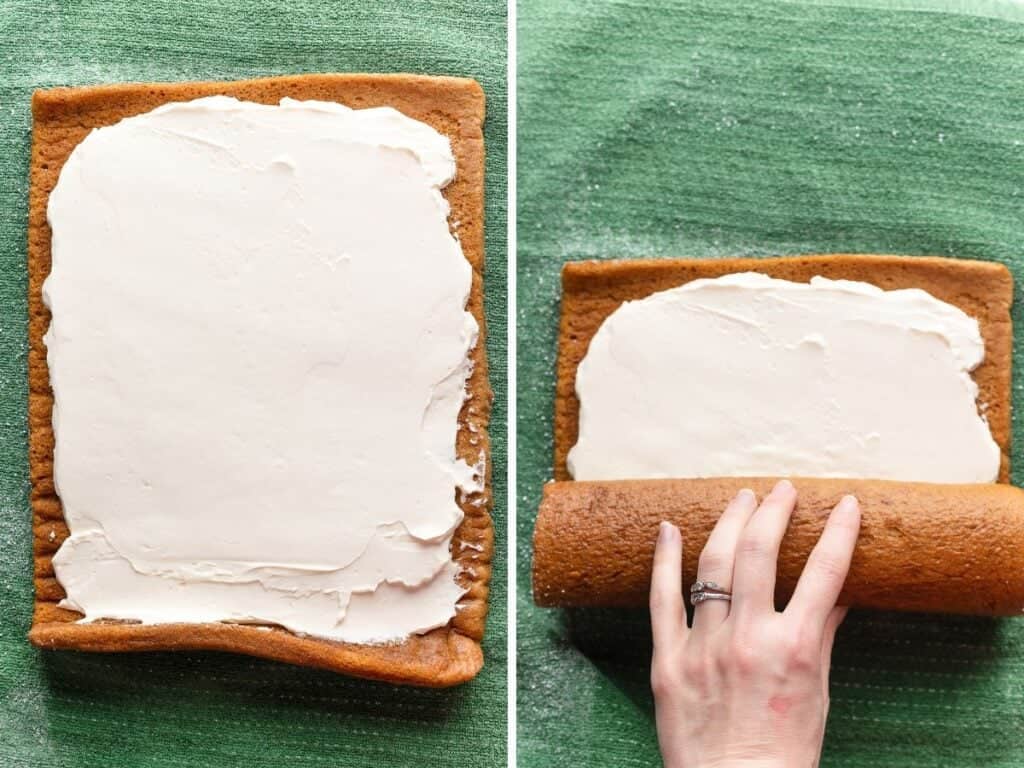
x=748, y=685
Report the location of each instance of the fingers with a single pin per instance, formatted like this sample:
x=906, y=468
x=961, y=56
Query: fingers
x=668, y=614
x=823, y=577
x=757, y=551
x=718, y=557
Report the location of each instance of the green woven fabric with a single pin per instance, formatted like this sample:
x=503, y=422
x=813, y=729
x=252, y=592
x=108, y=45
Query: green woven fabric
x=67, y=709
x=758, y=127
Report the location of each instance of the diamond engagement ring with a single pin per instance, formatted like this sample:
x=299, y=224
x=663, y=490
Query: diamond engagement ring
x=707, y=590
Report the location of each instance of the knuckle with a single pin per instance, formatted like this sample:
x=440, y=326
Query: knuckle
x=752, y=545
x=713, y=561
x=724, y=664
x=744, y=656
x=695, y=670
x=802, y=653
x=747, y=661
x=663, y=679
x=829, y=566
x=661, y=687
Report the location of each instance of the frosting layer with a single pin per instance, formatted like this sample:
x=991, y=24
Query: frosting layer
x=258, y=351
x=746, y=375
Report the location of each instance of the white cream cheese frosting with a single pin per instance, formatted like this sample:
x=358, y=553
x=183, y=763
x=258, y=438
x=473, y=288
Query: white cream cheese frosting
x=259, y=350
x=746, y=375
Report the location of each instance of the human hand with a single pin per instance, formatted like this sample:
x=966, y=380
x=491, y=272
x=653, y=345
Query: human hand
x=748, y=685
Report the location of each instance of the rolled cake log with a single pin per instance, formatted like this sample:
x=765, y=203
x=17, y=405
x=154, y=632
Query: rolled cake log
x=922, y=546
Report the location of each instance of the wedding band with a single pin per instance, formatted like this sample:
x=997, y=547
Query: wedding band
x=700, y=597
x=707, y=590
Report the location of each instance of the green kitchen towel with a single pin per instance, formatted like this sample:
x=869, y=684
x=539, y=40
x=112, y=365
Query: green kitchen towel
x=758, y=127
x=77, y=710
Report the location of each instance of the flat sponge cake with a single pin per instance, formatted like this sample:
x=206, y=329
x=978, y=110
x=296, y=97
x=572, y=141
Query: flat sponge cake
x=455, y=107
x=592, y=290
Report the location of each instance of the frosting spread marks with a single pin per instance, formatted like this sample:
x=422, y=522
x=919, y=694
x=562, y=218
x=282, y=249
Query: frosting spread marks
x=259, y=348
x=746, y=375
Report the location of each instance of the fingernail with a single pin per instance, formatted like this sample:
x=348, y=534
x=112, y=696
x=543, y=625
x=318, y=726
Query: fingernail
x=666, y=531
x=849, y=501
x=746, y=493
x=782, y=485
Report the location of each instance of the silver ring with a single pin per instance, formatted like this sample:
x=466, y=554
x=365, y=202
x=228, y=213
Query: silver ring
x=708, y=590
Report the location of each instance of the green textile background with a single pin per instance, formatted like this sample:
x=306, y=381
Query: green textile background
x=78, y=710
x=759, y=127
